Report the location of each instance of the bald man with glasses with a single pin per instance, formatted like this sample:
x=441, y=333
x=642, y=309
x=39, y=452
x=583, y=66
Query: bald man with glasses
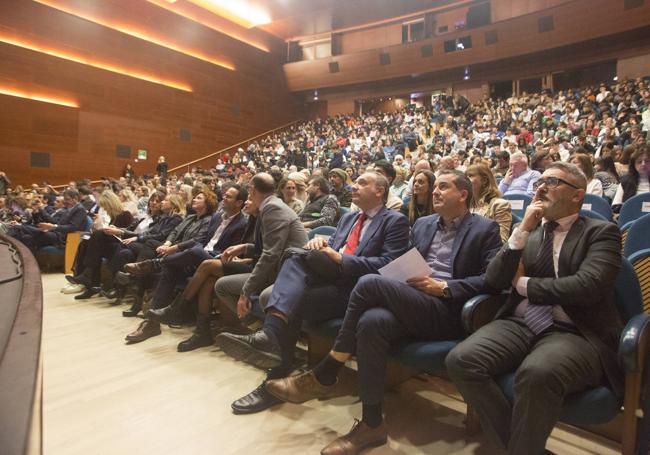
x=559, y=329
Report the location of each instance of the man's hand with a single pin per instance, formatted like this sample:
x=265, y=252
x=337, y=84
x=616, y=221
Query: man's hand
x=521, y=271
x=243, y=306
x=507, y=179
x=333, y=254
x=317, y=243
x=428, y=285
x=129, y=240
x=533, y=216
x=232, y=251
x=165, y=250
x=46, y=226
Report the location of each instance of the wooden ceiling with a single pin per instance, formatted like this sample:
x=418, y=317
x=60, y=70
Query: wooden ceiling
x=295, y=18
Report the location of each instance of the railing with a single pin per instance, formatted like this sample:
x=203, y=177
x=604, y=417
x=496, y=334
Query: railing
x=21, y=320
x=239, y=144
x=211, y=155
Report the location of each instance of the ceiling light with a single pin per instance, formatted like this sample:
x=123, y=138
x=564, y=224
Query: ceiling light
x=77, y=58
x=239, y=12
x=143, y=35
x=37, y=97
x=200, y=17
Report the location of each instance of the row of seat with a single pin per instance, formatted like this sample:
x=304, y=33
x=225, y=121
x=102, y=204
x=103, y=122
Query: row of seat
x=595, y=406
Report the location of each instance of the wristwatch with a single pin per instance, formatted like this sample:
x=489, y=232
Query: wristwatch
x=446, y=292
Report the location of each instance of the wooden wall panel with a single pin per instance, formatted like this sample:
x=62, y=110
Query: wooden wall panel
x=575, y=22
x=507, y=9
x=633, y=67
x=223, y=108
x=373, y=38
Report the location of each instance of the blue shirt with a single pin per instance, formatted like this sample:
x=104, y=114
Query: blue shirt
x=440, y=250
x=522, y=184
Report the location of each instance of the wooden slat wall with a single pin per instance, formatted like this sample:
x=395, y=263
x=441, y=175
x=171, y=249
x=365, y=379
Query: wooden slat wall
x=575, y=22
x=224, y=107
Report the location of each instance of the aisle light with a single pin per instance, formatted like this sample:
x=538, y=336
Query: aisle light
x=165, y=4
x=72, y=57
x=143, y=35
x=37, y=97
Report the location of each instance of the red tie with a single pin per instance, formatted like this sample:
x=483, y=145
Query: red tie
x=353, y=240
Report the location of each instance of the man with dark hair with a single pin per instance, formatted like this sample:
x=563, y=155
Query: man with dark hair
x=322, y=208
x=51, y=231
x=559, y=328
x=225, y=229
x=314, y=283
x=458, y=246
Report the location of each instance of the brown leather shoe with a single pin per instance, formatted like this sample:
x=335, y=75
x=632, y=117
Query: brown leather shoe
x=146, y=329
x=299, y=388
x=142, y=268
x=360, y=437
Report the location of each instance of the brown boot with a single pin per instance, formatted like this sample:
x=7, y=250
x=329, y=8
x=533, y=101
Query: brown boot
x=299, y=388
x=143, y=268
x=146, y=329
x=360, y=437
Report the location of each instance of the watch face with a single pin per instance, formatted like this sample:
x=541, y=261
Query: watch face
x=446, y=292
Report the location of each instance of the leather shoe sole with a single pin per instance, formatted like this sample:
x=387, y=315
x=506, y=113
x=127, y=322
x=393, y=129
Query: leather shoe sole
x=240, y=350
x=256, y=401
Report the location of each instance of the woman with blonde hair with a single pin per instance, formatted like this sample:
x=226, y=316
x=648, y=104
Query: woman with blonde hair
x=487, y=199
x=129, y=201
x=399, y=186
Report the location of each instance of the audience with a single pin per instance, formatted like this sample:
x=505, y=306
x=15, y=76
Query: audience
x=486, y=198
x=420, y=203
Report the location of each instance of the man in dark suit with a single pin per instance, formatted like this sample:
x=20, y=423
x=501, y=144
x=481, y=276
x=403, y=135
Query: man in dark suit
x=558, y=330
x=458, y=246
x=225, y=229
x=314, y=284
x=54, y=231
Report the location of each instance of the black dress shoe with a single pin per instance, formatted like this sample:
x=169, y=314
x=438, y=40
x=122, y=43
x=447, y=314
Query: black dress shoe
x=123, y=278
x=134, y=310
x=256, y=349
x=109, y=293
x=256, y=401
x=88, y=293
x=78, y=279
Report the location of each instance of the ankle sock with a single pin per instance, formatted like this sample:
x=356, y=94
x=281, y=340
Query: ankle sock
x=371, y=415
x=327, y=370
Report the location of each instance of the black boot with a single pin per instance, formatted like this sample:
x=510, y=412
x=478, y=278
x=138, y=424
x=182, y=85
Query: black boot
x=85, y=278
x=171, y=314
x=201, y=336
x=135, y=308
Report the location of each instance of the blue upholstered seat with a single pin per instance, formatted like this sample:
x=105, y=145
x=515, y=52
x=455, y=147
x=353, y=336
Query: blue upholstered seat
x=597, y=204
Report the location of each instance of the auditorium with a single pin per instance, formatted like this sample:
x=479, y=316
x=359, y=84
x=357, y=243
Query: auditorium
x=325, y=226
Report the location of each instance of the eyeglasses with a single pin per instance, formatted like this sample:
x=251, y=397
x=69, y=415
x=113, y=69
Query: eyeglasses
x=552, y=182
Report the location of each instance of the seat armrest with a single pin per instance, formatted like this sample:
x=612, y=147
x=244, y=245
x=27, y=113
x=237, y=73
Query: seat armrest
x=633, y=346
x=640, y=254
x=480, y=310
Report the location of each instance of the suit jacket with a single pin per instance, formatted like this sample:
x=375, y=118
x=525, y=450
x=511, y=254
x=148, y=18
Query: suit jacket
x=74, y=219
x=190, y=231
x=230, y=236
x=277, y=228
x=385, y=239
x=476, y=243
x=589, y=262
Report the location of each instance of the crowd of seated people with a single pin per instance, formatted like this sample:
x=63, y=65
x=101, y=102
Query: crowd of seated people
x=430, y=177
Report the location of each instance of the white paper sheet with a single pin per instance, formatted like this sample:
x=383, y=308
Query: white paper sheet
x=409, y=265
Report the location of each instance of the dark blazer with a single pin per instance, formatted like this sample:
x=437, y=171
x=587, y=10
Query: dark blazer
x=74, y=219
x=190, y=231
x=385, y=239
x=159, y=229
x=589, y=263
x=277, y=228
x=232, y=235
x=476, y=243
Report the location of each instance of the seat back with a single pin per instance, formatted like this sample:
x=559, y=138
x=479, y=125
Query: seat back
x=592, y=214
x=518, y=202
x=638, y=236
x=634, y=208
x=344, y=210
x=321, y=230
x=515, y=220
x=597, y=204
x=628, y=292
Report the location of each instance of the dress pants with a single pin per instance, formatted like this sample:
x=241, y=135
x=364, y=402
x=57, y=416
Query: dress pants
x=380, y=312
x=34, y=238
x=548, y=367
x=176, y=268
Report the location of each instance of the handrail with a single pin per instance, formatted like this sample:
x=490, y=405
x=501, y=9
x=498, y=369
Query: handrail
x=21, y=320
x=188, y=164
